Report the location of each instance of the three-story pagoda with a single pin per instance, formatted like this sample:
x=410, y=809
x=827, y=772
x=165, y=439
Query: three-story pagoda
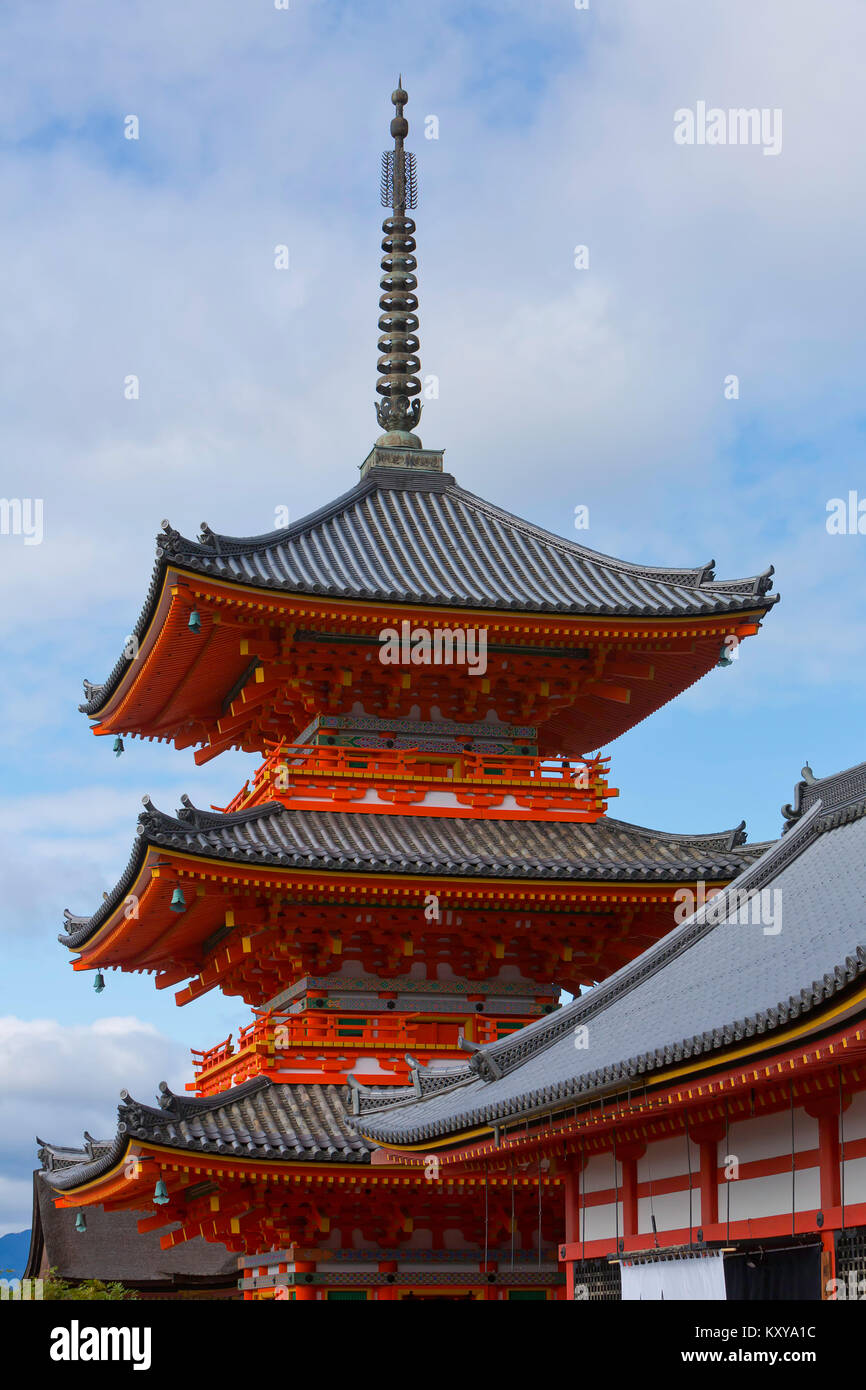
x=421, y=863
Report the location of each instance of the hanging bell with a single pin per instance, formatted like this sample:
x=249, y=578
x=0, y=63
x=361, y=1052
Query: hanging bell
x=118, y=746
x=160, y=1193
x=178, y=901
x=194, y=621
x=99, y=982
x=725, y=658
x=81, y=1222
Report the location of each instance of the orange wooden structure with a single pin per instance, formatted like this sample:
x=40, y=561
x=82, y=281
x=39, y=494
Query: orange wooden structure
x=419, y=866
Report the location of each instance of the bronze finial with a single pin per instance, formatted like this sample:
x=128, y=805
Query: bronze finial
x=398, y=412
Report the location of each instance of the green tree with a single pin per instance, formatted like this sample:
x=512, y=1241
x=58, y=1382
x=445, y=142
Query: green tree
x=87, y=1289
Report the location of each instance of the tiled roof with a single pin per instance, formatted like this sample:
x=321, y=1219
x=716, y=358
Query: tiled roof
x=839, y=789
x=340, y=841
x=114, y=1248
x=713, y=981
x=260, y=1119
x=417, y=537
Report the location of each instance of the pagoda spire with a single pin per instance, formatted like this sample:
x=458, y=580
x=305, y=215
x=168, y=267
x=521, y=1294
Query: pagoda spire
x=398, y=412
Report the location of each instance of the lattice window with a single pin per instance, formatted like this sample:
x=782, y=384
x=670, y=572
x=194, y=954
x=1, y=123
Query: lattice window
x=851, y=1254
x=600, y=1279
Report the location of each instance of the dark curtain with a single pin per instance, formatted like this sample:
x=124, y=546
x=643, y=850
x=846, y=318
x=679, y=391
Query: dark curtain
x=774, y=1274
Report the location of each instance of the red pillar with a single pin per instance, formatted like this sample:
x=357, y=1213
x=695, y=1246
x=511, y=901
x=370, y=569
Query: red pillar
x=571, y=1189
x=828, y=1263
x=825, y=1109
x=629, y=1196
x=707, y=1137
x=709, y=1185
x=305, y=1293
x=387, y=1293
x=628, y=1155
x=828, y=1157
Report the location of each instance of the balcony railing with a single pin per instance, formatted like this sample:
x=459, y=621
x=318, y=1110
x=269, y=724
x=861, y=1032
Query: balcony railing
x=314, y=1041
x=408, y=774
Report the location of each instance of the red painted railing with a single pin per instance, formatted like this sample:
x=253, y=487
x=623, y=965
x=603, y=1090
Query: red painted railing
x=569, y=784
x=274, y=1042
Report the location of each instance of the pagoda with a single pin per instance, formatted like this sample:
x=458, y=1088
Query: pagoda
x=421, y=863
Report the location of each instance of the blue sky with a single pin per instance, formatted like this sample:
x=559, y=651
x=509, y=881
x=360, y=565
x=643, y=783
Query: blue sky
x=557, y=386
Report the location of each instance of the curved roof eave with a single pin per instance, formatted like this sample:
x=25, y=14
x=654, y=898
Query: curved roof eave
x=333, y=841
x=442, y=531
x=261, y=1119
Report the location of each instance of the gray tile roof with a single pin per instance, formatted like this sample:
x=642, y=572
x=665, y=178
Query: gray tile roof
x=407, y=537
x=260, y=1119
x=346, y=842
x=840, y=789
x=113, y=1248
x=713, y=981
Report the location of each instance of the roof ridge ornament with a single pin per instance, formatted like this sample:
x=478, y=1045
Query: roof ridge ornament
x=398, y=412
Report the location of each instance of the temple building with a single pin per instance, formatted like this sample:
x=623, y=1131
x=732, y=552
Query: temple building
x=705, y=1107
x=115, y=1251
x=421, y=863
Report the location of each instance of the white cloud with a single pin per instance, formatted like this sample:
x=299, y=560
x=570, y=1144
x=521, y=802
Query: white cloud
x=58, y=1080
x=557, y=386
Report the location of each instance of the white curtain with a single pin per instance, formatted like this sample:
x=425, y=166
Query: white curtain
x=694, y=1277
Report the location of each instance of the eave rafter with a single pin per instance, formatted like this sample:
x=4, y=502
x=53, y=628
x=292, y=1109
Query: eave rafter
x=253, y=933
x=258, y=669
x=252, y=1206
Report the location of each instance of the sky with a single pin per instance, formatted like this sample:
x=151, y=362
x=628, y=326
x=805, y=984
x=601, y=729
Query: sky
x=597, y=379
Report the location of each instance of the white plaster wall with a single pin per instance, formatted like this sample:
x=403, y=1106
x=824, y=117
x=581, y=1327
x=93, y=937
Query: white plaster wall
x=752, y=1198
x=855, y=1177
x=854, y=1118
x=668, y=1159
x=600, y=1223
x=599, y=1174
x=768, y=1136
x=671, y=1211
